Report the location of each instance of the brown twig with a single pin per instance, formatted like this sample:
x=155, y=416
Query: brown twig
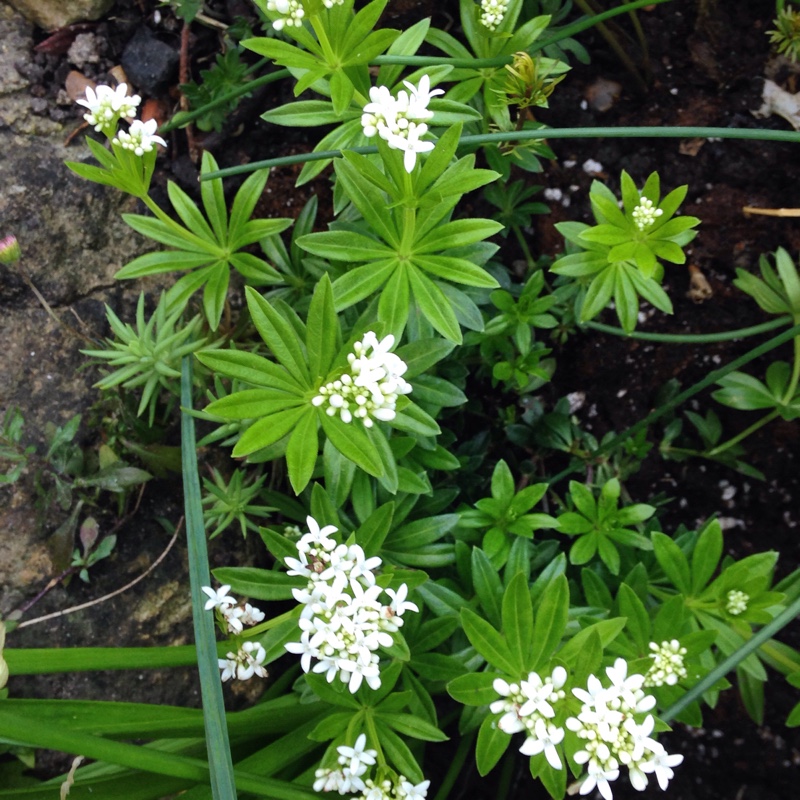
x=772, y=212
x=105, y=597
x=184, y=76
x=53, y=582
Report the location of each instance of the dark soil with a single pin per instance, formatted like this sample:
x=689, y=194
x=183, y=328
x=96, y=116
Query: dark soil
x=708, y=60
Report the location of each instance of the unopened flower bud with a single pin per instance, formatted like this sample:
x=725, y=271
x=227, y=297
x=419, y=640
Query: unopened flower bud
x=9, y=250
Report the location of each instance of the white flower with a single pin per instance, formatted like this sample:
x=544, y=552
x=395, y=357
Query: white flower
x=411, y=144
x=140, y=137
x=408, y=791
x=219, y=598
x=737, y=602
x=399, y=604
x=645, y=214
x=371, y=387
x=492, y=13
x=328, y=780
x=291, y=10
x=661, y=764
x=400, y=120
x=107, y=106
x=245, y=663
x=546, y=737
x=356, y=756
x=599, y=778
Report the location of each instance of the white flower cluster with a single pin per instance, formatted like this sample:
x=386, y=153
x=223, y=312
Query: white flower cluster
x=614, y=738
x=371, y=388
x=140, y=137
x=645, y=214
x=249, y=658
x=401, y=121
x=527, y=706
x=349, y=778
x=668, y=665
x=344, y=622
x=737, y=602
x=244, y=663
x=107, y=106
x=492, y=13
x=292, y=11
x=606, y=723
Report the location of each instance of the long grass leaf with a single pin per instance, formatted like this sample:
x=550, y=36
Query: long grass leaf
x=219, y=752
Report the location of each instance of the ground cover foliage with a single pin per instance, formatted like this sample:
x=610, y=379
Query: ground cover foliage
x=451, y=565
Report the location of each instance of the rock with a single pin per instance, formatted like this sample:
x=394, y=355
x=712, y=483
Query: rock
x=15, y=64
x=52, y=14
x=84, y=50
x=149, y=63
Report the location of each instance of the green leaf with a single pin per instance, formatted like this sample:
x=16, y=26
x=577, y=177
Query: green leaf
x=302, y=449
x=551, y=620
x=303, y=114
x=372, y=533
x=671, y=559
x=251, y=404
x=488, y=642
x=259, y=584
x=397, y=752
x=488, y=586
x=277, y=332
x=457, y=270
x=638, y=627
x=434, y=305
x=322, y=330
x=491, y=745
x=268, y=430
x=474, y=689
x=351, y=441
x=250, y=368
x=706, y=555
x=361, y=282
x=394, y=302
x=517, y=613
x=412, y=726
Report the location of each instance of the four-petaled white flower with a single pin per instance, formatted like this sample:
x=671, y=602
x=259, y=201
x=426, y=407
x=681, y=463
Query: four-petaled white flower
x=219, y=598
x=661, y=764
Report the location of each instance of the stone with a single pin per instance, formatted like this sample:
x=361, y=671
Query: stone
x=16, y=47
x=54, y=14
x=149, y=63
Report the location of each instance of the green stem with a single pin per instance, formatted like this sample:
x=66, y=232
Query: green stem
x=526, y=251
x=373, y=735
x=692, y=338
x=792, y=388
x=689, y=132
x=743, y=435
x=613, y=443
x=614, y=44
x=185, y=117
x=733, y=660
x=456, y=766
